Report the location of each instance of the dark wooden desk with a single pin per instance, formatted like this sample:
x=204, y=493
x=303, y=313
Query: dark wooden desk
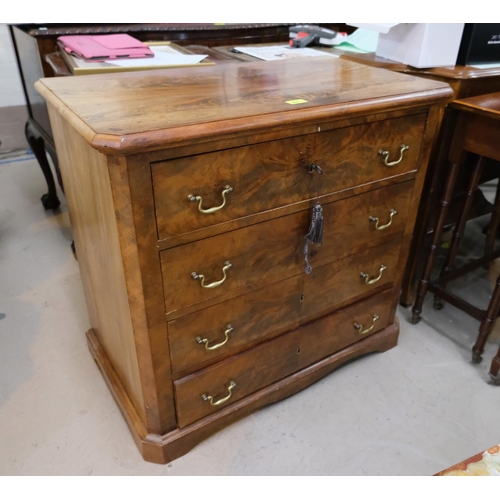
x=466, y=81
x=36, y=51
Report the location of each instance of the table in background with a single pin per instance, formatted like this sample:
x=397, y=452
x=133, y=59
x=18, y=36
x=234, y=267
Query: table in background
x=466, y=81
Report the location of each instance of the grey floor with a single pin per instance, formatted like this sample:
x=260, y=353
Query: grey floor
x=414, y=410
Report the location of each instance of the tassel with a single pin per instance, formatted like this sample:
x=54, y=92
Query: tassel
x=315, y=233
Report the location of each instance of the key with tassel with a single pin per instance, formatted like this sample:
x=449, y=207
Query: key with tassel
x=315, y=233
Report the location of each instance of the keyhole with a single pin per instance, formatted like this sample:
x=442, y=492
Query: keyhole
x=299, y=350
x=302, y=297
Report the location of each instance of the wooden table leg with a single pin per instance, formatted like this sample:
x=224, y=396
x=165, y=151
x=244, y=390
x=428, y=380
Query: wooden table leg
x=495, y=368
x=493, y=225
x=487, y=324
x=462, y=219
x=37, y=144
x=436, y=240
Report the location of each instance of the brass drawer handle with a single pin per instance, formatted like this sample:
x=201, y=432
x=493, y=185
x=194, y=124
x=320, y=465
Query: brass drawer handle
x=385, y=154
x=360, y=327
x=230, y=388
x=369, y=281
x=229, y=329
x=199, y=199
x=392, y=213
x=200, y=277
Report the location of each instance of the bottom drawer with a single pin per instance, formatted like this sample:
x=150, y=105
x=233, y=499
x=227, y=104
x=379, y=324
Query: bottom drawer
x=206, y=391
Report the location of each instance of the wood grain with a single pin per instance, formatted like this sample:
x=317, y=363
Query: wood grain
x=277, y=133
x=259, y=367
x=275, y=213
x=118, y=391
x=255, y=317
x=274, y=174
x=275, y=249
x=138, y=240
x=166, y=448
x=131, y=187
x=482, y=137
x=128, y=112
x=93, y=223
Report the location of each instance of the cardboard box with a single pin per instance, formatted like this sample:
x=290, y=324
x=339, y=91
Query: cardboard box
x=422, y=45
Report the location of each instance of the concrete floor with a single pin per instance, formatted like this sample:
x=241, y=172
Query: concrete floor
x=414, y=410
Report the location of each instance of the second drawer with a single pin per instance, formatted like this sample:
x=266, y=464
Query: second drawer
x=274, y=250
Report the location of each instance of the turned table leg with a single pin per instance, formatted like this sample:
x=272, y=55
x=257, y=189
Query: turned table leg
x=494, y=223
x=487, y=324
x=36, y=142
x=436, y=240
x=462, y=219
x=495, y=368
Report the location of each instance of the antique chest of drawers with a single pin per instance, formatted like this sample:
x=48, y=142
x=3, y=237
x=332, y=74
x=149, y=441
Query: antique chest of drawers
x=190, y=194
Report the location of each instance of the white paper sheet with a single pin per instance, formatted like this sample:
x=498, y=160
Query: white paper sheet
x=164, y=56
x=161, y=58
x=279, y=52
x=486, y=66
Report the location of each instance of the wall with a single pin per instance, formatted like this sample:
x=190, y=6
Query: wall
x=13, y=113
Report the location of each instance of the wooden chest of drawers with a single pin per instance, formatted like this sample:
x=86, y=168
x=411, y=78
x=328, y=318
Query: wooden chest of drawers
x=190, y=193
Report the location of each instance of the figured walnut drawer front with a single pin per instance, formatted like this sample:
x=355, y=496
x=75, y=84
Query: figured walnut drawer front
x=273, y=250
x=278, y=358
x=266, y=313
x=275, y=174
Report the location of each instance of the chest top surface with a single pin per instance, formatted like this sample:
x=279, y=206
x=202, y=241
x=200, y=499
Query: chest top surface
x=128, y=111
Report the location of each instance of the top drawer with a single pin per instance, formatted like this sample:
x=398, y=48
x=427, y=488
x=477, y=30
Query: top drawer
x=275, y=174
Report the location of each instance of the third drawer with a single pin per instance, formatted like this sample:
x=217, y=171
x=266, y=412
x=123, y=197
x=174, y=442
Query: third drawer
x=267, y=312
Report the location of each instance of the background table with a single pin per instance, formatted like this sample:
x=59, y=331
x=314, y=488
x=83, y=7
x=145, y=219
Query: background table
x=466, y=81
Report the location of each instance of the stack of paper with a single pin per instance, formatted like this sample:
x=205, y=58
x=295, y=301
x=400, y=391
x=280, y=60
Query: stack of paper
x=278, y=52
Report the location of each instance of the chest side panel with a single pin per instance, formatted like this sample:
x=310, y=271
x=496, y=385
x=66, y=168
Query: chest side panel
x=91, y=210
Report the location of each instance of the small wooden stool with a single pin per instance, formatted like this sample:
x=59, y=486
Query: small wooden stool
x=477, y=131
